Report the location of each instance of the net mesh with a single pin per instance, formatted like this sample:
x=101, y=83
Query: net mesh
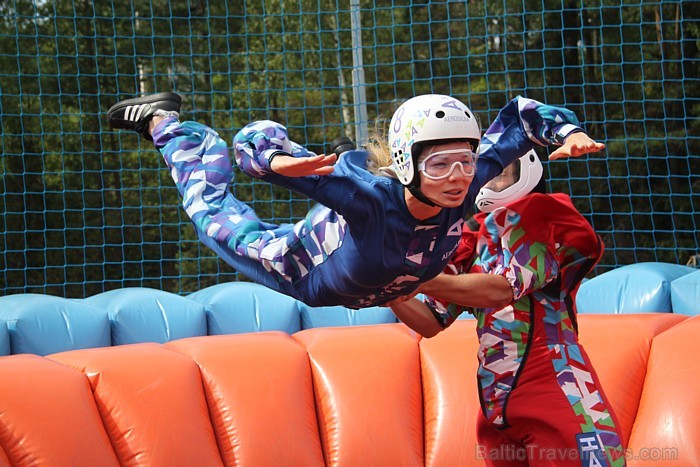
x=85, y=209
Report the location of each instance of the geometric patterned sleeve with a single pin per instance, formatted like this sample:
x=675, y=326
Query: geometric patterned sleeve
x=519, y=126
x=257, y=143
x=444, y=313
x=545, y=124
x=527, y=263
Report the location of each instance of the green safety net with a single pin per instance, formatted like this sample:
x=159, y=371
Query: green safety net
x=84, y=209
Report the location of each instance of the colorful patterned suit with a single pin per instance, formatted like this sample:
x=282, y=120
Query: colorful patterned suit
x=541, y=400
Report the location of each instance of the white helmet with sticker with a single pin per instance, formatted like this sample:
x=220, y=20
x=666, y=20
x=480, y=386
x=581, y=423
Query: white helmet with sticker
x=430, y=118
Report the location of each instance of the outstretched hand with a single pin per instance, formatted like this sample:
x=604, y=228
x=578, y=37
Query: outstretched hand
x=575, y=145
x=290, y=166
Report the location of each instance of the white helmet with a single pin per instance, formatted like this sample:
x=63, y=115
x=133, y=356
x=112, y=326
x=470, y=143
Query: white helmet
x=423, y=119
x=508, y=186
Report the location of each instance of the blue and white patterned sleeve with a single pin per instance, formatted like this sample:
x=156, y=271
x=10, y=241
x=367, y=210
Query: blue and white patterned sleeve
x=348, y=190
x=545, y=124
x=257, y=143
x=522, y=124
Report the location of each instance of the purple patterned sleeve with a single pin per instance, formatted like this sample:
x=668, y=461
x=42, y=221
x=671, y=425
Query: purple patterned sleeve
x=444, y=313
x=257, y=143
x=545, y=124
x=519, y=126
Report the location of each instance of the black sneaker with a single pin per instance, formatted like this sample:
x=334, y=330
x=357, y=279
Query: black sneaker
x=134, y=114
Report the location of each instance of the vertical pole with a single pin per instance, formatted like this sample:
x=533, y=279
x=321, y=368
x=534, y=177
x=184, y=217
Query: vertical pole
x=139, y=66
x=358, y=76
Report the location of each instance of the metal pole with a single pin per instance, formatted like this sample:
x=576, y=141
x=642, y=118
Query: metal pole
x=358, y=76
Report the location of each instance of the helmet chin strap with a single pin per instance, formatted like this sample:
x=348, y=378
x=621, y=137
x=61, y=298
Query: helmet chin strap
x=415, y=191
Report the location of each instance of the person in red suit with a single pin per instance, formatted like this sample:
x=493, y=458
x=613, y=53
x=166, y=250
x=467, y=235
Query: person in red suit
x=517, y=269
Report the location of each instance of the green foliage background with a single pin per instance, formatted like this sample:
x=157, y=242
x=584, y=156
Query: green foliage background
x=84, y=209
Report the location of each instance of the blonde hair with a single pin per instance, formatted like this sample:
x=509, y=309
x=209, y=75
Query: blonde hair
x=379, y=160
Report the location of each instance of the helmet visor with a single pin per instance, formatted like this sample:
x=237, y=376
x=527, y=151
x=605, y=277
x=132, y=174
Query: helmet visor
x=506, y=179
x=441, y=164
